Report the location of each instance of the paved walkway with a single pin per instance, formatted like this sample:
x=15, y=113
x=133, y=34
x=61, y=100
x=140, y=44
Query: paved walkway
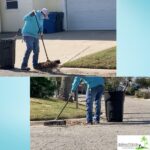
x=96, y=137
x=66, y=45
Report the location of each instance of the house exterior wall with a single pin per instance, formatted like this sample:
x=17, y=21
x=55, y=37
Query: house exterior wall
x=0, y=19
x=54, y=5
x=12, y=19
x=0, y=23
x=39, y=4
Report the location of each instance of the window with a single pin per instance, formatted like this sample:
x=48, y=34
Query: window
x=12, y=4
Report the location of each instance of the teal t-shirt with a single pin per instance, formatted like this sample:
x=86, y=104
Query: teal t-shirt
x=30, y=27
x=90, y=81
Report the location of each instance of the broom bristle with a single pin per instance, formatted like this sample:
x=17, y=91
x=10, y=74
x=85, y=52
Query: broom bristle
x=49, y=64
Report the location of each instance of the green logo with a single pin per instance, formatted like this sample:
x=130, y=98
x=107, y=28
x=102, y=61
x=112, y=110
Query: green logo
x=144, y=144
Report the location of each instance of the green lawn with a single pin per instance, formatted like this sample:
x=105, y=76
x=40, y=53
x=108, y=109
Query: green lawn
x=49, y=109
x=101, y=60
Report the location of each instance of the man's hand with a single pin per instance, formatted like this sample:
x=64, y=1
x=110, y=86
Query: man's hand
x=42, y=35
x=72, y=94
x=32, y=13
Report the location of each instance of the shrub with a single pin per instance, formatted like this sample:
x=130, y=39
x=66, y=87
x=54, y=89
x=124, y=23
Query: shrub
x=42, y=87
x=139, y=94
x=143, y=82
x=143, y=94
x=146, y=95
x=130, y=91
x=112, y=84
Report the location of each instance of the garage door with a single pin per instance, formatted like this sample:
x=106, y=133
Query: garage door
x=91, y=14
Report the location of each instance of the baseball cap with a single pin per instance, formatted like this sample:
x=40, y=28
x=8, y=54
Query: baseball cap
x=45, y=12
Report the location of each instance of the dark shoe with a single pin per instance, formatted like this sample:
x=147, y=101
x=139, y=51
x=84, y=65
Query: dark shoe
x=25, y=68
x=96, y=122
x=36, y=67
x=89, y=123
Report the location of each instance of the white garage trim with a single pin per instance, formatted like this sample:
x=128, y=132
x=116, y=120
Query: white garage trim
x=90, y=14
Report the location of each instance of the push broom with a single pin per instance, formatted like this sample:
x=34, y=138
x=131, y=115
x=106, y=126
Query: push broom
x=48, y=63
x=57, y=121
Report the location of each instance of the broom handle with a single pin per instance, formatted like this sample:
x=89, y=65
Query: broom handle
x=42, y=38
x=63, y=108
x=44, y=48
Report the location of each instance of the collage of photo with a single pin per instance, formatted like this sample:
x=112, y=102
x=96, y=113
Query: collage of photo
x=68, y=50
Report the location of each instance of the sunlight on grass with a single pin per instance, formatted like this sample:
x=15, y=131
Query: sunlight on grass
x=49, y=109
x=101, y=60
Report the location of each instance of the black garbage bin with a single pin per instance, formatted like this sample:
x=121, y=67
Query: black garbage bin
x=7, y=53
x=114, y=104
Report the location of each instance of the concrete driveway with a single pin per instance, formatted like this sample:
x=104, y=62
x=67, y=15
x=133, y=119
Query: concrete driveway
x=66, y=45
x=95, y=137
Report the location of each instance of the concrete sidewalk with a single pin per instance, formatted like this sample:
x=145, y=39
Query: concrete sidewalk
x=66, y=45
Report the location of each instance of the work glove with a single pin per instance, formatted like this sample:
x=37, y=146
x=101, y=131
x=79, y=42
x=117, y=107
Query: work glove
x=32, y=13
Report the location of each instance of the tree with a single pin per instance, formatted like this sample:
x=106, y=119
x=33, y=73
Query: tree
x=65, y=87
x=143, y=82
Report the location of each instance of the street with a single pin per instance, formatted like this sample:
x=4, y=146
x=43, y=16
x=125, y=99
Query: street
x=94, y=137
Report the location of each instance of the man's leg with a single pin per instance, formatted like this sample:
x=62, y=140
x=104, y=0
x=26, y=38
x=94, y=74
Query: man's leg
x=89, y=106
x=29, y=44
x=98, y=103
x=36, y=52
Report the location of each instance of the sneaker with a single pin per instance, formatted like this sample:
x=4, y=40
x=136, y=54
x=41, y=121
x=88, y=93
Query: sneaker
x=96, y=122
x=25, y=68
x=36, y=67
x=89, y=123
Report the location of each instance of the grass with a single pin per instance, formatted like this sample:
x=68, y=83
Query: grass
x=101, y=60
x=49, y=109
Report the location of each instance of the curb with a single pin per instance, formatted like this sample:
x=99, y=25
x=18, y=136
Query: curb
x=87, y=71
x=60, y=122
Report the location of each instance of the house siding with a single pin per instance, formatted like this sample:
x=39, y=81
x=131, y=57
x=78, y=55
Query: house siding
x=0, y=18
x=0, y=25
x=55, y=5
x=39, y=4
x=12, y=20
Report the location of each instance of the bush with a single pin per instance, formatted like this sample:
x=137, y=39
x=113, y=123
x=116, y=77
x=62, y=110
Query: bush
x=130, y=91
x=142, y=94
x=112, y=83
x=139, y=94
x=146, y=95
x=143, y=82
x=42, y=87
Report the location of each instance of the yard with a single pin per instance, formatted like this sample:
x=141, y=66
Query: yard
x=49, y=109
x=100, y=60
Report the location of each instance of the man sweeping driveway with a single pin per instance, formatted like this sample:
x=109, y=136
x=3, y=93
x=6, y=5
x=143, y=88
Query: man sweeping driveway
x=33, y=26
x=95, y=88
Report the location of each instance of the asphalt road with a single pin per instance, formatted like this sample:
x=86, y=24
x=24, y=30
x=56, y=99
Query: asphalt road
x=94, y=137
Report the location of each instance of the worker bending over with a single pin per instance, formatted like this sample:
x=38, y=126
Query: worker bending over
x=95, y=88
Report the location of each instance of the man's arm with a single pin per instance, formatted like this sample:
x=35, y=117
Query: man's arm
x=29, y=15
x=41, y=29
x=75, y=84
